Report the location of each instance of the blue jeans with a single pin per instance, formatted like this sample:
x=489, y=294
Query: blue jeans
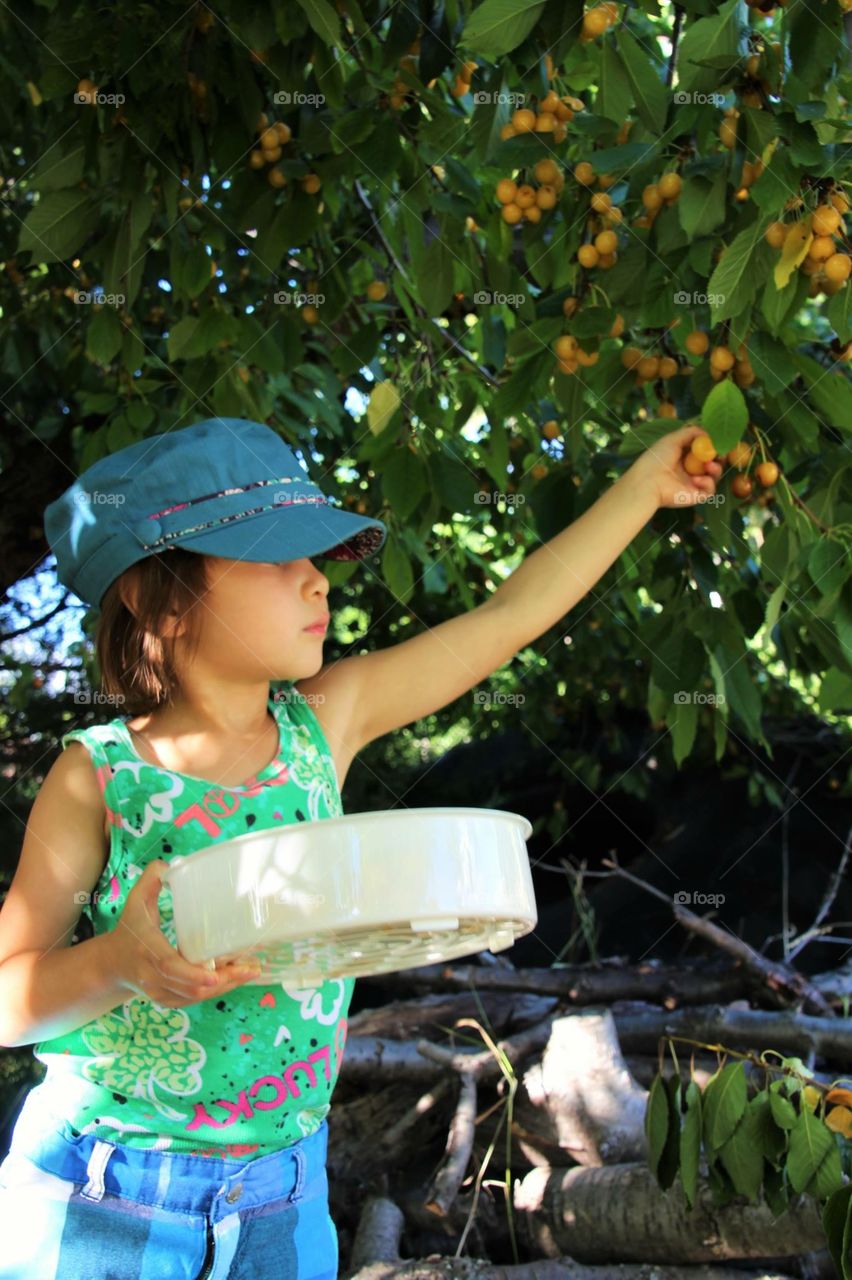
x=80, y=1208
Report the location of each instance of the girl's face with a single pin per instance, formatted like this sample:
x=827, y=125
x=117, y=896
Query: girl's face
x=252, y=618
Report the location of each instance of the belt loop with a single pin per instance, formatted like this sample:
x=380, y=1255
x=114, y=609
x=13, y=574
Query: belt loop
x=301, y=1165
x=94, y=1188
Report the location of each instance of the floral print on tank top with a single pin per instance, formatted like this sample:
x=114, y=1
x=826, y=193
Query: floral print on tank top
x=240, y=1076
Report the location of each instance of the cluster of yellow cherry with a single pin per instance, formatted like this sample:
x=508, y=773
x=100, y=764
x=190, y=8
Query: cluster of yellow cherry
x=550, y=115
x=523, y=201
x=658, y=194
x=703, y=450
x=824, y=260
x=272, y=138
x=569, y=354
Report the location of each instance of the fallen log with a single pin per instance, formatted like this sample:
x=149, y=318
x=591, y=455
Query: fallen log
x=618, y=1213
x=596, y=1108
x=582, y=984
x=790, y=1032
x=375, y=1256
x=639, y=1031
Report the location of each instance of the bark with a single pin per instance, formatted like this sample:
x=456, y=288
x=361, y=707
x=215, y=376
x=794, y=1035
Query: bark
x=639, y=1031
x=596, y=1108
x=582, y=984
x=619, y=1213
x=375, y=1256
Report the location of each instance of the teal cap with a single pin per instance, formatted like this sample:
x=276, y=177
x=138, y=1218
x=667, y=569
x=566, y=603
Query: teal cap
x=223, y=487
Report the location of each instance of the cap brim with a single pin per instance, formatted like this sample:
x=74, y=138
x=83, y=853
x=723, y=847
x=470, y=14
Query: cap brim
x=291, y=534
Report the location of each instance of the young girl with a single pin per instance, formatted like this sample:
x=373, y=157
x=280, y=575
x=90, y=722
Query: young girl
x=180, y=1129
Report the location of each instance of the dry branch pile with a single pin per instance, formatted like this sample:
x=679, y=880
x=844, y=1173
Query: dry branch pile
x=482, y=1074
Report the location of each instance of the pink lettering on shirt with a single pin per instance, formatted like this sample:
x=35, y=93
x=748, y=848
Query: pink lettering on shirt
x=220, y=803
x=282, y=1090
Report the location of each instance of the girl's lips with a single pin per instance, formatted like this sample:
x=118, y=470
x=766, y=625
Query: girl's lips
x=319, y=629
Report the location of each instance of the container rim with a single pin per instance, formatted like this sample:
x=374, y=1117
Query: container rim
x=373, y=815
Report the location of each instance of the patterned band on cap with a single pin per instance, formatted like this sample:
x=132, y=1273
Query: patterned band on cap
x=205, y=526
x=206, y=497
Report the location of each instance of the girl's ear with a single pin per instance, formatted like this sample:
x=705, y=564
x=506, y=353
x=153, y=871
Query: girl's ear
x=128, y=591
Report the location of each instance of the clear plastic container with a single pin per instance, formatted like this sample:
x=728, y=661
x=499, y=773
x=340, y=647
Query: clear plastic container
x=361, y=894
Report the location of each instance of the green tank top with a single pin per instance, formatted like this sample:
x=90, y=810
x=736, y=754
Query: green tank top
x=239, y=1076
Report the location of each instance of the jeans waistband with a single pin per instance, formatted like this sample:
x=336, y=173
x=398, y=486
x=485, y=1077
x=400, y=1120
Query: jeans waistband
x=181, y=1183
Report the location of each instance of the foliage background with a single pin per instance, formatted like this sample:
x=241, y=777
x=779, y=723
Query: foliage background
x=746, y=607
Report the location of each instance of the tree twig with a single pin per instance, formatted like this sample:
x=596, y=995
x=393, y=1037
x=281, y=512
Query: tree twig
x=785, y=982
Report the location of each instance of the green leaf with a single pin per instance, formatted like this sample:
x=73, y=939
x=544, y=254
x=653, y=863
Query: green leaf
x=486, y=122
x=701, y=206
x=656, y=1122
x=828, y=565
x=779, y=178
x=724, y=415
x=779, y=306
x=682, y=721
x=839, y=314
x=614, y=98
x=650, y=94
x=396, y=568
x=724, y=1105
x=713, y=37
x=735, y=280
x=742, y=1155
x=813, y=1164
x=771, y=361
x=498, y=26
x=837, y=1224
x=404, y=482
x=435, y=282
x=782, y=1109
x=194, y=271
x=815, y=40
x=56, y=170
x=690, y=1143
x=58, y=225
x=744, y=699
x=180, y=336
x=830, y=393
x=323, y=19
x=104, y=334
x=631, y=155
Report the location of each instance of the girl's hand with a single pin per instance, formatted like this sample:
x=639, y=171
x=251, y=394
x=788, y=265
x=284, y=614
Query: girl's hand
x=661, y=470
x=148, y=965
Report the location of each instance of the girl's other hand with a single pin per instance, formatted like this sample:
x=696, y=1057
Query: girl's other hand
x=147, y=964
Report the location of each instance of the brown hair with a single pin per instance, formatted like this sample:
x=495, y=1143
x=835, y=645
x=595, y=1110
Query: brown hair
x=135, y=658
